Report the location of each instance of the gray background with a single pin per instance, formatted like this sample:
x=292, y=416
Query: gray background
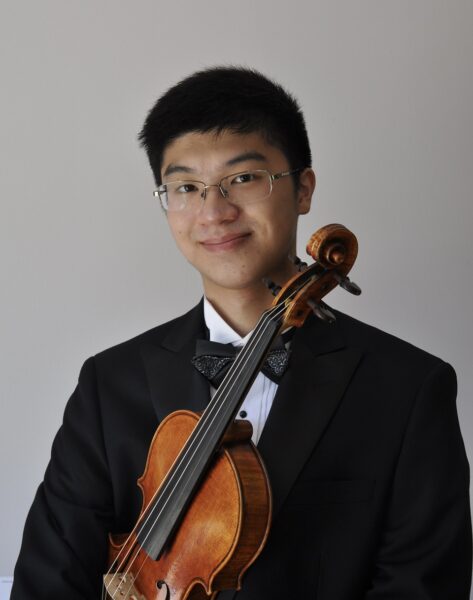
x=86, y=258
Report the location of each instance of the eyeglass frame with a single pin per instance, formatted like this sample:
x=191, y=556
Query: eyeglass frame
x=272, y=177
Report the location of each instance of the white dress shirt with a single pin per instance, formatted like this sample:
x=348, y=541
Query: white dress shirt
x=258, y=402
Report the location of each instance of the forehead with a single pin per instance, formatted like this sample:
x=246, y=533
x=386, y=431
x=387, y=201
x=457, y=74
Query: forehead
x=198, y=152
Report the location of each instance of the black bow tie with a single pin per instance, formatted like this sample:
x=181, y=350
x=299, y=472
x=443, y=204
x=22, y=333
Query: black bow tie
x=214, y=360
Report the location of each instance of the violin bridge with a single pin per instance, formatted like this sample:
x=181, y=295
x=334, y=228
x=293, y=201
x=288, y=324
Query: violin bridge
x=120, y=586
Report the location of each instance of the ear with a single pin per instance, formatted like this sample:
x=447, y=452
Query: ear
x=305, y=191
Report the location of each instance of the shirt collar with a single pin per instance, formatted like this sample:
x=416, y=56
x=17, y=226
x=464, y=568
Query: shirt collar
x=219, y=330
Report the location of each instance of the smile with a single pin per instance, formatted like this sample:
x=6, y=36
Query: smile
x=227, y=242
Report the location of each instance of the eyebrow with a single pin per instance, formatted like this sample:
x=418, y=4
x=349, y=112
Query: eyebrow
x=252, y=155
x=177, y=169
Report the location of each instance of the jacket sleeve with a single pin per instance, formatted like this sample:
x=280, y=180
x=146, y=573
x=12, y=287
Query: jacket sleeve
x=64, y=545
x=425, y=549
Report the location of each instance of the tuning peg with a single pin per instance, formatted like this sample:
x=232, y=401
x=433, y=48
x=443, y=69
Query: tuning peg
x=300, y=264
x=346, y=284
x=274, y=288
x=322, y=311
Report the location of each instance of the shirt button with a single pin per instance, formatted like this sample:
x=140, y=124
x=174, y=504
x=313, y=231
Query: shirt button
x=243, y=414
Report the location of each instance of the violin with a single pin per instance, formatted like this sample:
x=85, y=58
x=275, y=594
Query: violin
x=206, y=496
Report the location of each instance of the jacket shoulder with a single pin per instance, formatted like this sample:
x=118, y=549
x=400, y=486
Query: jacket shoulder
x=129, y=351
x=383, y=347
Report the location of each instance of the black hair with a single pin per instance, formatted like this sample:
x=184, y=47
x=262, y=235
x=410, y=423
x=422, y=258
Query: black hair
x=231, y=98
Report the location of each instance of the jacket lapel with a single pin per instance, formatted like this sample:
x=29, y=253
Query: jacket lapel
x=174, y=383
x=307, y=398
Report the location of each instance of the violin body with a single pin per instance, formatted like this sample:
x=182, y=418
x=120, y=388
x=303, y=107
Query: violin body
x=222, y=532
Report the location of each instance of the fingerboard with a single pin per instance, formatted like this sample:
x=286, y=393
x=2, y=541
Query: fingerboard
x=164, y=514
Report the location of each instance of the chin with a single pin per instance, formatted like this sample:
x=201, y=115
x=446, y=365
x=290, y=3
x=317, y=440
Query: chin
x=233, y=283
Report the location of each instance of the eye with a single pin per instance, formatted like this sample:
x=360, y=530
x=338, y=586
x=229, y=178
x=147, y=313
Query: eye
x=186, y=188
x=247, y=177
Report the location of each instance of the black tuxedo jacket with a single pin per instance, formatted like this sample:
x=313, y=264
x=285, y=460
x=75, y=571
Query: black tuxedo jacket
x=362, y=447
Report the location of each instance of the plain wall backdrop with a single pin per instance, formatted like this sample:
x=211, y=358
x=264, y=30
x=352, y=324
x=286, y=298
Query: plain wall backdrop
x=86, y=257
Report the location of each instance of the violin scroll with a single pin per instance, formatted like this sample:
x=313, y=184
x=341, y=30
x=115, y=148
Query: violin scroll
x=334, y=249
x=333, y=246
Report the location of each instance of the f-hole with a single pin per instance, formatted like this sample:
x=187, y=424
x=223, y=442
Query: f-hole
x=162, y=583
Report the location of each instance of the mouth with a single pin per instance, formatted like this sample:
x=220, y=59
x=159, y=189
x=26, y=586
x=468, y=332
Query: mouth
x=226, y=242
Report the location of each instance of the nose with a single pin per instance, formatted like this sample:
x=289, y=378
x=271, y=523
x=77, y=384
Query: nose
x=215, y=207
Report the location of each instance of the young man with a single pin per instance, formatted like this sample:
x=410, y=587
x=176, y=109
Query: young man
x=359, y=436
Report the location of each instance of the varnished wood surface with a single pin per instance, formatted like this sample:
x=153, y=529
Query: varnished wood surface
x=222, y=532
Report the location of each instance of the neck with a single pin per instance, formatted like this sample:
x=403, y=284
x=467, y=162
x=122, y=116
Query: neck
x=239, y=308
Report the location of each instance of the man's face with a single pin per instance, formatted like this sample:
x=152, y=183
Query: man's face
x=234, y=247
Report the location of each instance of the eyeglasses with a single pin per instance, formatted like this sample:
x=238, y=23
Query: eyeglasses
x=239, y=188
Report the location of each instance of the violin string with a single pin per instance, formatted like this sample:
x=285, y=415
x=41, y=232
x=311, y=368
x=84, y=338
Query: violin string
x=265, y=321
x=262, y=325
x=275, y=311
x=215, y=407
